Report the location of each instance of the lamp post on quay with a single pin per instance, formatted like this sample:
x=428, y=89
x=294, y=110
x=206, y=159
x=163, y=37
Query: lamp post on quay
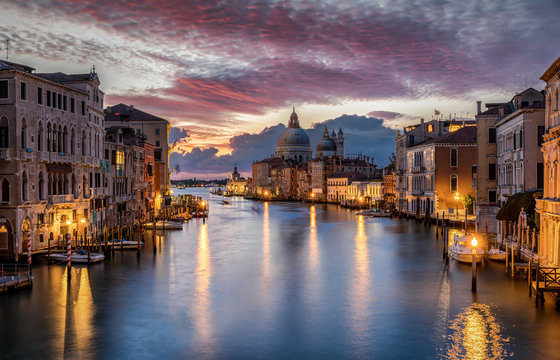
x=474, y=244
x=457, y=205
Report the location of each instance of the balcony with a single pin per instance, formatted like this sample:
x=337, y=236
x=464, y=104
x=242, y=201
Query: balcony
x=5, y=154
x=417, y=169
x=42, y=156
x=26, y=154
x=100, y=191
x=416, y=192
x=61, y=199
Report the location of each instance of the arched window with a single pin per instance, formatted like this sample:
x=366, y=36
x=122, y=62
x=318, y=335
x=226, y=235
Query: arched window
x=49, y=137
x=4, y=143
x=453, y=181
x=60, y=139
x=41, y=187
x=5, y=190
x=40, y=137
x=83, y=143
x=74, y=186
x=72, y=142
x=64, y=139
x=23, y=135
x=24, y=194
x=453, y=157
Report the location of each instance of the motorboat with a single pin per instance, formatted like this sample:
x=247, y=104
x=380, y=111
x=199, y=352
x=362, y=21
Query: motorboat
x=374, y=213
x=125, y=244
x=78, y=256
x=165, y=225
x=462, y=251
x=496, y=254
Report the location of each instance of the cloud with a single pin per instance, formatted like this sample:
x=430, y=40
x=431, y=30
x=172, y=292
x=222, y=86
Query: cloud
x=394, y=120
x=363, y=135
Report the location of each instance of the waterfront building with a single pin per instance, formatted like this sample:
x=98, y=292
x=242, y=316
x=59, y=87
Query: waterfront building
x=337, y=187
x=149, y=178
x=411, y=136
x=389, y=188
x=237, y=185
x=549, y=206
x=365, y=193
x=502, y=143
x=520, y=159
x=126, y=180
x=51, y=141
x=438, y=171
x=156, y=132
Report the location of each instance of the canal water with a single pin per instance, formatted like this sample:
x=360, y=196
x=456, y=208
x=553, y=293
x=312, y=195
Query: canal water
x=277, y=281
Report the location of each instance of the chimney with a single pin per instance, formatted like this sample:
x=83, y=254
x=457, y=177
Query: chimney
x=478, y=105
x=501, y=110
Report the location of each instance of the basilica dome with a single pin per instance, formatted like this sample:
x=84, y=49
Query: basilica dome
x=293, y=143
x=326, y=146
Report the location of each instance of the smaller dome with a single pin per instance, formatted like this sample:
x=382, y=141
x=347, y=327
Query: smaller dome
x=325, y=144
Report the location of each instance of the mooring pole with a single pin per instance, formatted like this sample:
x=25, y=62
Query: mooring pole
x=473, y=288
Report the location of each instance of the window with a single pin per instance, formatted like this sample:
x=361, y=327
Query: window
x=106, y=154
x=491, y=135
x=492, y=196
x=540, y=133
x=48, y=98
x=54, y=100
x=4, y=89
x=83, y=107
x=157, y=131
x=119, y=158
x=138, y=132
x=40, y=96
x=453, y=157
x=157, y=142
x=410, y=140
x=453, y=181
x=521, y=138
x=491, y=171
x=64, y=99
x=514, y=141
x=4, y=133
x=59, y=101
x=72, y=105
x=23, y=91
x=5, y=190
x=40, y=219
x=431, y=128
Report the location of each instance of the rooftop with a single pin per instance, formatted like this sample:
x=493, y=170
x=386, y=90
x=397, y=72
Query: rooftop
x=122, y=112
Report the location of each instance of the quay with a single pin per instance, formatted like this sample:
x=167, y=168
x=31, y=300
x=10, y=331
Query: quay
x=14, y=277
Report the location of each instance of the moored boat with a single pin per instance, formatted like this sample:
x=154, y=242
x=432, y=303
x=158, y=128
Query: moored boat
x=461, y=249
x=78, y=257
x=165, y=225
x=496, y=254
x=126, y=244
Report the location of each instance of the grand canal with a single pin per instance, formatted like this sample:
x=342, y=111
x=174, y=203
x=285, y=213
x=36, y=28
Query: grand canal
x=279, y=280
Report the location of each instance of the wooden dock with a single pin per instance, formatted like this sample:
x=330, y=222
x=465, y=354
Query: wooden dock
x=545, y=279
x=14, y=276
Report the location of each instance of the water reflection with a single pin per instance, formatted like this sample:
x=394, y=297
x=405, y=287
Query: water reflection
x=313, y=245
x=202, y=299
x=266, y=244
x=75, y=319
x=476, y=335
x=360, y=313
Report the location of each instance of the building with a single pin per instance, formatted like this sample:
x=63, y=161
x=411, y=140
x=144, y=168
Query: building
x=127, y=183
x=520, y=159
x=156, y=132
x=364, y=193
x=503, y=121
x=293, y=144
x=438, y=171
x=51, y=146
x=549, y=206
x=411, y=136
x=330, y=145
x=389, y=189
x=237, y=185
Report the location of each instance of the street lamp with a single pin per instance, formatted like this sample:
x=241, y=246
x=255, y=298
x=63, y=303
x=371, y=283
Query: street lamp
x=312, y=197
x=457, y=206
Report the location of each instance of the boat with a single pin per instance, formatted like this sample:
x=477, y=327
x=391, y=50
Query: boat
x=126, y=244
x=78, y=257
x=165, y=225
x=225, y=202
x=461, y=249
x=374, y=213
x=496, y=254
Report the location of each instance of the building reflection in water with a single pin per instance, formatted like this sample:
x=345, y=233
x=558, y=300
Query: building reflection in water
x=266, y=244
x=475, y=334
x=360, y=297
x=75, y=319
x=201, y=311
x=313, y=245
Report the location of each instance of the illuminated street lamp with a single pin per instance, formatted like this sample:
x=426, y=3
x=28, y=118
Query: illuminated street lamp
x=474, y=243
x=266, y=193
x=457, y=206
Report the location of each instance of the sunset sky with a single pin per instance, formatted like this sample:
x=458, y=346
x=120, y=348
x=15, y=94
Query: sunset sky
x=229, y=72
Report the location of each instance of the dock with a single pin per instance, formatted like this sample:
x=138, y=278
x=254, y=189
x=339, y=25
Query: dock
x=14, y=276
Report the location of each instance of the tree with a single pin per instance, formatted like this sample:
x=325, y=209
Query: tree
x=392, y=162
x=511, y=209
x=468, y=202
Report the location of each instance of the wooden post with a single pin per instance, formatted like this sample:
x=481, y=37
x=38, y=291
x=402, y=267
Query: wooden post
x=530, y=274
x=437, y=225
x=154, y=234
x=69, y=255
x=507, y=257
x=49, y=250
x=442, y=222
x=473, y=287
x=512, y=262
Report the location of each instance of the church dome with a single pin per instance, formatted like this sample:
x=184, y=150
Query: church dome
x=326, y=144
x=293, y=137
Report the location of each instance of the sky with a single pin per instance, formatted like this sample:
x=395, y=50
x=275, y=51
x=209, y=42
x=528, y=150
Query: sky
x=227, y=73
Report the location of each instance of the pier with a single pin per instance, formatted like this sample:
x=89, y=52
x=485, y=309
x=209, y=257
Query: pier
x=14, y=276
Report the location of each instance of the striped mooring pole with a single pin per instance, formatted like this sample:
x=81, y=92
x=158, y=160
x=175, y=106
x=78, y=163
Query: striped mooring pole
x=69, y=254
x=29, y=251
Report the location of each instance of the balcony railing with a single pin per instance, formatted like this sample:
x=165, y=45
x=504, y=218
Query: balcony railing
x=26, y=154
x=5, y=154
x=417, y=169
x=61, y=198
x=417, y=192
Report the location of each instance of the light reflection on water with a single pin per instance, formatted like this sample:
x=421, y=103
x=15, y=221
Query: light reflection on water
x=476, y=335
